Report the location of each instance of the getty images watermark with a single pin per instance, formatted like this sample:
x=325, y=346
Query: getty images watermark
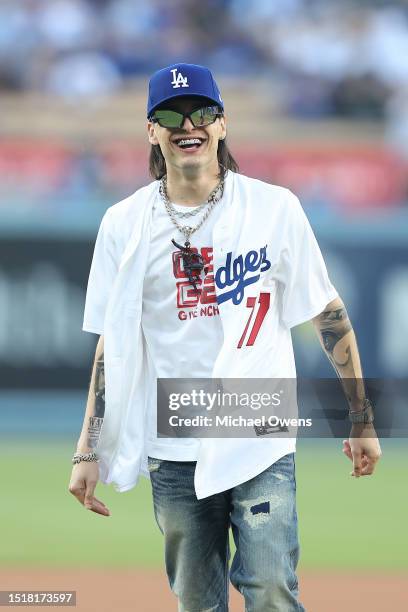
x=227, y=401
x=260, y=407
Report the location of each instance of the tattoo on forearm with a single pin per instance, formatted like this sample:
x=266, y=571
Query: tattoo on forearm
x=99, y=387
x=96, y=421
x=333, y=326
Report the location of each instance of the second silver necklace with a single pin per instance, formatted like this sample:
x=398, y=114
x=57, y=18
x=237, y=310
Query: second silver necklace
x=193, y=262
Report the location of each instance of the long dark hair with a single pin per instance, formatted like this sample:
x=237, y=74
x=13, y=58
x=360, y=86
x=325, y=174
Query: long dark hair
x=157, y=163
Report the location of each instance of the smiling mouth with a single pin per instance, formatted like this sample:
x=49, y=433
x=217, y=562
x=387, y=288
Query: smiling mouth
x=189, y=144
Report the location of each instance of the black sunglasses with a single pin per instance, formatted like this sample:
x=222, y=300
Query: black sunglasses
x=199, y=118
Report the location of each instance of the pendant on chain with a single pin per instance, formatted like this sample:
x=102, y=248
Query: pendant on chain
x=193, y=263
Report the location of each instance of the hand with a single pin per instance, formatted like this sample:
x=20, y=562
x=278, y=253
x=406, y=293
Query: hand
x=84, y=478
x=364, y=452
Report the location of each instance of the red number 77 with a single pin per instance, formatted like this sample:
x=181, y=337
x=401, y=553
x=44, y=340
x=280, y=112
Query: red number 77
x=264, y=301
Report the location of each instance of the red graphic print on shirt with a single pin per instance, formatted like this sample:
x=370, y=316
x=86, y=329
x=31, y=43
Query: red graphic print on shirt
x=187, y=296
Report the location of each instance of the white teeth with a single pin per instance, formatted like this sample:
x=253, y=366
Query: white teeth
x=189, y=141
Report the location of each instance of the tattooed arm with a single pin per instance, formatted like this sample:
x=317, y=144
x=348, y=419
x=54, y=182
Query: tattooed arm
x=95, y=408
x=338, y=340
x=85, y=475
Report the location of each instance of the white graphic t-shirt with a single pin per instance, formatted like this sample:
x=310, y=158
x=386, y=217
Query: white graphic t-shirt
x=181, y=326
x=269, y=276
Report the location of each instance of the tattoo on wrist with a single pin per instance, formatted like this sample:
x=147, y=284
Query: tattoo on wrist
x=96, y=420
x=94, y=430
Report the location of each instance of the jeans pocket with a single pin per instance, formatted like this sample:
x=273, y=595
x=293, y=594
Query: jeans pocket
x=284, y=468
x=153, y=464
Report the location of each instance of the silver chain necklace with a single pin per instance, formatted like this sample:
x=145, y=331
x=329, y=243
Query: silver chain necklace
x=193, y=262
x=190, y=213
x=214, y=197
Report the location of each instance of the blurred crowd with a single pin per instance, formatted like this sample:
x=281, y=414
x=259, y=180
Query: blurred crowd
x=326, y=58
x=333, y=58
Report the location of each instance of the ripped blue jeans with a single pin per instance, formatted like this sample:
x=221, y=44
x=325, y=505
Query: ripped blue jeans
x=262, y=515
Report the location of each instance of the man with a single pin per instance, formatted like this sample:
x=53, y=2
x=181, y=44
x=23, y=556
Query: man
x=179, y=269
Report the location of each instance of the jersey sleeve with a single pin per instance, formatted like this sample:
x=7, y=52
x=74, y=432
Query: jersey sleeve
x=102, y=274
x=307, y=288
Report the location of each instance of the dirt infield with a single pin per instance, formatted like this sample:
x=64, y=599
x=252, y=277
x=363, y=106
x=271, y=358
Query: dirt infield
x=147, y=591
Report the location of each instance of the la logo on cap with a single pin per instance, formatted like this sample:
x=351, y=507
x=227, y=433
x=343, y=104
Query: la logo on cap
x=179, y=80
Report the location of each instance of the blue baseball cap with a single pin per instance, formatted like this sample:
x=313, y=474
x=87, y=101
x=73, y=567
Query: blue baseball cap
x=182, y=80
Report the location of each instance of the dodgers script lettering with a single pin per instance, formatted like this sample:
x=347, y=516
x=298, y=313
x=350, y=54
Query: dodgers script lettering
x=236, y=271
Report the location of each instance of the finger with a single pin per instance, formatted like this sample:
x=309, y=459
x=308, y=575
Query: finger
x=365, y=466
x=96, y=505
x=90, y=488
x=368, y=466
x=347, y=450
x=79, y=493
x=366, y=472
x=99, y=507
x=357, y=458
x=99, y=502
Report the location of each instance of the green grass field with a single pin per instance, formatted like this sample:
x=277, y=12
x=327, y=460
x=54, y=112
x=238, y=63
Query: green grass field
x=343, y=522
